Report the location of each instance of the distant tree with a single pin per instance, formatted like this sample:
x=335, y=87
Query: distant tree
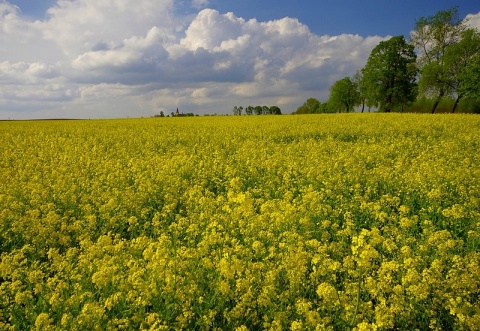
x=390, y=74
x=326, y=107
x=274, y=110
x=249, y=110
x=344, y=94
x=364, y=90
x=258, y=110
x=311, y=106
x=237, y=110
x=265, y=110
x=162, y=114
x=432, y=36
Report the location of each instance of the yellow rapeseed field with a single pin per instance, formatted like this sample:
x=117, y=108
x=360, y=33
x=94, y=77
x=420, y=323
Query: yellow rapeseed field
x=315, y=222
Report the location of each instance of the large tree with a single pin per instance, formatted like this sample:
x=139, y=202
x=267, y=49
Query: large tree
x=461, y=63
x=390, y=74
x=344, y=94
x=432, y=36
x=470, y=79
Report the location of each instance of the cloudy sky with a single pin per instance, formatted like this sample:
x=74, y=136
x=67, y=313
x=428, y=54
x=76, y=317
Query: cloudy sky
x=125, y=58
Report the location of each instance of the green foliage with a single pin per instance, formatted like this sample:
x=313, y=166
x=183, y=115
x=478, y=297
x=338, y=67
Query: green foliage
x=258, y=110
x=274, y=110
x=313, y=106
x=249, y=110
x=390, y=74
x=237, y=110
x=344, y=95
x=432, y=37
x=465, y=58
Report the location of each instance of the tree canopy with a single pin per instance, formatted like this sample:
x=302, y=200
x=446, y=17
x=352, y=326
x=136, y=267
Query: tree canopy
x=432, y=36
x=390, y=73
x=344, y=94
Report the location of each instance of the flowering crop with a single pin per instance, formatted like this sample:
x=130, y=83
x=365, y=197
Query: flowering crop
x=327, y=222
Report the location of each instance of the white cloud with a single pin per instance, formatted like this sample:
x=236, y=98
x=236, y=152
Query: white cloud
x=129, y=51
x=473, y=20
x=122, y=58
x=77, y=26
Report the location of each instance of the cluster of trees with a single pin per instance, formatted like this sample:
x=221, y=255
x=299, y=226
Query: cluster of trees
x=313, y=106
x=173, y=114
x=441, y=59
x=257, y=110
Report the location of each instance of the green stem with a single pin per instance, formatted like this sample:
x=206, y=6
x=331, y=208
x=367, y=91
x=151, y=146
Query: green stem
x=356, y=305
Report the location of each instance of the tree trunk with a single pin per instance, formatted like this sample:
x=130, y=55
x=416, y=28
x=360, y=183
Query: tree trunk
x=456, y=103
x=437, y=101
x=363, y=106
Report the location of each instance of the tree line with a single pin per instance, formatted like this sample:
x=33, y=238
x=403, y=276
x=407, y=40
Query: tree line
x=441, y=59
x=257, y=110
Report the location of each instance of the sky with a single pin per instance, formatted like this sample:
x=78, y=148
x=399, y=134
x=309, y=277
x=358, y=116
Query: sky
x=126, y=58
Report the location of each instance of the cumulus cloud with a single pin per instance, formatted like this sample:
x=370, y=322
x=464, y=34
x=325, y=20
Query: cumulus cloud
x=145, y=56
x=473, y=20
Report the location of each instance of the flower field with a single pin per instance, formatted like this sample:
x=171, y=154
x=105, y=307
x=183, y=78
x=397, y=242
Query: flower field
x=318, y=222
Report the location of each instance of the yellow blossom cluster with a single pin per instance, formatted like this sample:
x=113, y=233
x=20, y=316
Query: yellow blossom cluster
x=319, y=222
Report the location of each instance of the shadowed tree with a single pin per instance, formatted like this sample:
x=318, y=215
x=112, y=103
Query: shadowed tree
x=274, y=110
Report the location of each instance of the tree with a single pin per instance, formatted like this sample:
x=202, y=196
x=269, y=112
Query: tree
x=265, y=110
x=432, y=36
x=344, y=93
x=249, y=110
x=237, y=110
x=258, y=110
x=274, y=110
x=470, y=79
x=460, y=63
x=311, y=106
x=390, y=74
x=364, y=90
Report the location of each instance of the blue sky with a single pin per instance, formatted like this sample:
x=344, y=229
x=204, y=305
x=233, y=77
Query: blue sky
x=371, y=17
x=103, y=58
x=364, y=17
